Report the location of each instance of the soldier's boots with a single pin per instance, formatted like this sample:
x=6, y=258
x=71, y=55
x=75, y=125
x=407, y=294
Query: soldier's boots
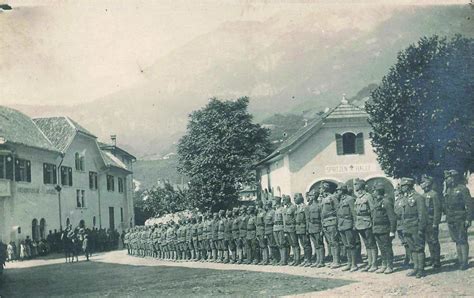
x=383, y=267
x=296, y=256
x=414, y=257
x=265, y=259
x=408, y=257
x=335, y=258
x=349, y=260
x=284, y=257
x=464, y=264
x=373, y=267
x=353, y=253
x=321, y=260
x=369, y=261
x=421, y=265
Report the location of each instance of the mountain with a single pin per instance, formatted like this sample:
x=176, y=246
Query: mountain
x=297, y=63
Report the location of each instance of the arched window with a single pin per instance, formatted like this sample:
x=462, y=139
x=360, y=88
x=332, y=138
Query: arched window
x=34, y=230
x=42, y=228
x=93, y=221
x=350, y=143
x=79, y=161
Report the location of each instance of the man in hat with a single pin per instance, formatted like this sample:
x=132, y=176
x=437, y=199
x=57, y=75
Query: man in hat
x=398, y=208
x=271, y=248
x=459, y=212
x=220, y=236
x=434, y=208
x=201, y=249
x=235, y=249
x=194, y=238
x=384, y=225
x=414, y=220
x=329, y=221
x=301, y=231
x=345, y=225
x=262, y=245
x=289, y=220
x=228, y=242
x=278, y=231
x=315, y=231
x=242, y=233
x=363, y=223
x=251, y=237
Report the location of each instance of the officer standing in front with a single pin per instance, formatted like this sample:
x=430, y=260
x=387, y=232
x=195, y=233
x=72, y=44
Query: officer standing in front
x=433, y=203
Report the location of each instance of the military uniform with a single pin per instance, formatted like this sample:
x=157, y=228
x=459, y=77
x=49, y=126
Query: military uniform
x=228, y=243
x=269, y=237
x=301, y=231
x=315, y=230
x=414, y=219
x=236, y=236
x=278, y=231
x=251, y=236
x=329, y=222
x=289, y=219
x=242, y=234
x=434, y=210
x=345, y=225
x=262, y=250
x=459, y=212
x=221, y=237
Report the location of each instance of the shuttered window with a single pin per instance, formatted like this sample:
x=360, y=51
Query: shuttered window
x=22, y=170
x=339, y=144
x=66, y=175
x=349, y=143
x=49, y=173
x=360, y=143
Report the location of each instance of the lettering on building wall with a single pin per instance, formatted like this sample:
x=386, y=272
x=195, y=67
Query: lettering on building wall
x=350, y=168
x=27, y=190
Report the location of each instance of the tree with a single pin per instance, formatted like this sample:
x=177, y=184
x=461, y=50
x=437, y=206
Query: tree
x=421, y=114
x=161, y=200
x=218, y=150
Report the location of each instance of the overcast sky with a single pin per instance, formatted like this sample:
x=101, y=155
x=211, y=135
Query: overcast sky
x=65, y=52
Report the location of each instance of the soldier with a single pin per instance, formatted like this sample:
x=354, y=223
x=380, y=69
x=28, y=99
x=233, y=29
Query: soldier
x=251, y=243
x=301, y=232
x=433, y=205
x=180, y=240
x=215, y=236
x=194, y=244
x=384, y=225
x=200, y=238
x=363, y=223
x=278, y=231
x=289, y=220
x=398, y=208
x=414, y=221
x=459, y=212
x=189, y=248
x=208, y=237
x=220, y=236
x=315, y=231
x=329, y=206
x=242, y=233
x=262, y=245
x=228, y=243
x=345, y=225
x=235, y=248
x=269, y=237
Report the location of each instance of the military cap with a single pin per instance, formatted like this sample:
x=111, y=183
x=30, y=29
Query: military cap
x=407, y=181
x=268, y=203
x=278, y=200
x=228, y=212
x=243, y=208
x=379, y=186
x=251, y=208
x=451, y=173
x=221, y=212
x=299, y=197
x=359, y=181
x=341, y=186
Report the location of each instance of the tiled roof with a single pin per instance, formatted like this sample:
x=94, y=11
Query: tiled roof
x=112, y=161
x=16, y=127
x=343, y=110
x=60, y=130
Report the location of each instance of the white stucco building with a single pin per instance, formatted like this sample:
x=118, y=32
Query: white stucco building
x=54, y=172
x=334, y=148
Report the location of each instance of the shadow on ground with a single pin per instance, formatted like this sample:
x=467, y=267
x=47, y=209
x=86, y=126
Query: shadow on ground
x=103, y=279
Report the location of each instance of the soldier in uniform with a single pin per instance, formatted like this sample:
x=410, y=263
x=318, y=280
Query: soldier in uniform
x=242, y=233
x=414, y=221
x=189, y=254
x=459, y=212
x=315, y=231
x=235, y=249
x=384, y=225
x=193, y=231
x=269, y=237
x=208, y=237
x=434, y=208
x=289, y=220
x=215, y=236
x=220, y=236
x=363, y=223
x=262, y=245
x=345, y=225
x=201, y=239
x=301, y=231
x=228, y=242
x=329, y=206
x=251, y=237
x=278, y=231
x=398, y=208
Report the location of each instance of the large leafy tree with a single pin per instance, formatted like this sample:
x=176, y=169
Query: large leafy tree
x=218, y=150
x=160, y=200
x=421, y=114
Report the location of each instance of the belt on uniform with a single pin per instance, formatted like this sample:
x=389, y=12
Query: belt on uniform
x=278, y=223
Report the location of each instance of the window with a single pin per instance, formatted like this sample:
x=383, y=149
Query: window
x=34, y=230
x=110, y=183
x=120, y=184
x=121, y=214
x=68, y=222
x=79, y=161
x=92, y=180
x=93, y=221
x=42, y=228
x=6, y=167
x=66, y=175
x=349, y=143
x=80, y=198
x=22, y=170
x=49, y=174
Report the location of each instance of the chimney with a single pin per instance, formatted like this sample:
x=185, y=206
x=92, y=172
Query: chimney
x=114, y=139
x=344, y=99
x=305, y=122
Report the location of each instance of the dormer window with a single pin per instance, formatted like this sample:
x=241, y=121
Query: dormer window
x=79, y=162
x=350, y=143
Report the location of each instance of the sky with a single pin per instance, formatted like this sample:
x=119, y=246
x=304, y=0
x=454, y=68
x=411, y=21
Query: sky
x=67, y=52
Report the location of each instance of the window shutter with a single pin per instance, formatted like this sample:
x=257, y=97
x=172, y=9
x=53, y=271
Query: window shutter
x=28, y=171
x=45, y=174
x=70, y=177
x=9, y=167
x=55, y=175
x=95, y=182
x=339, y=147
x=360, y=143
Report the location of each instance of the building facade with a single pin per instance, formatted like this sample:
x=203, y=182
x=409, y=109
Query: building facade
x=334, y=148
x=53, y=172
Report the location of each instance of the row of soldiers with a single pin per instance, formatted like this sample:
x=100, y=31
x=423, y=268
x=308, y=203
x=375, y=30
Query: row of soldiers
x=267, y=232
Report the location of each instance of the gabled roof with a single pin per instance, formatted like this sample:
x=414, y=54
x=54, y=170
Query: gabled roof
x=61, y=130
x=17, y=128
x=344, y=110
x=111, y=161
x=115, y=148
